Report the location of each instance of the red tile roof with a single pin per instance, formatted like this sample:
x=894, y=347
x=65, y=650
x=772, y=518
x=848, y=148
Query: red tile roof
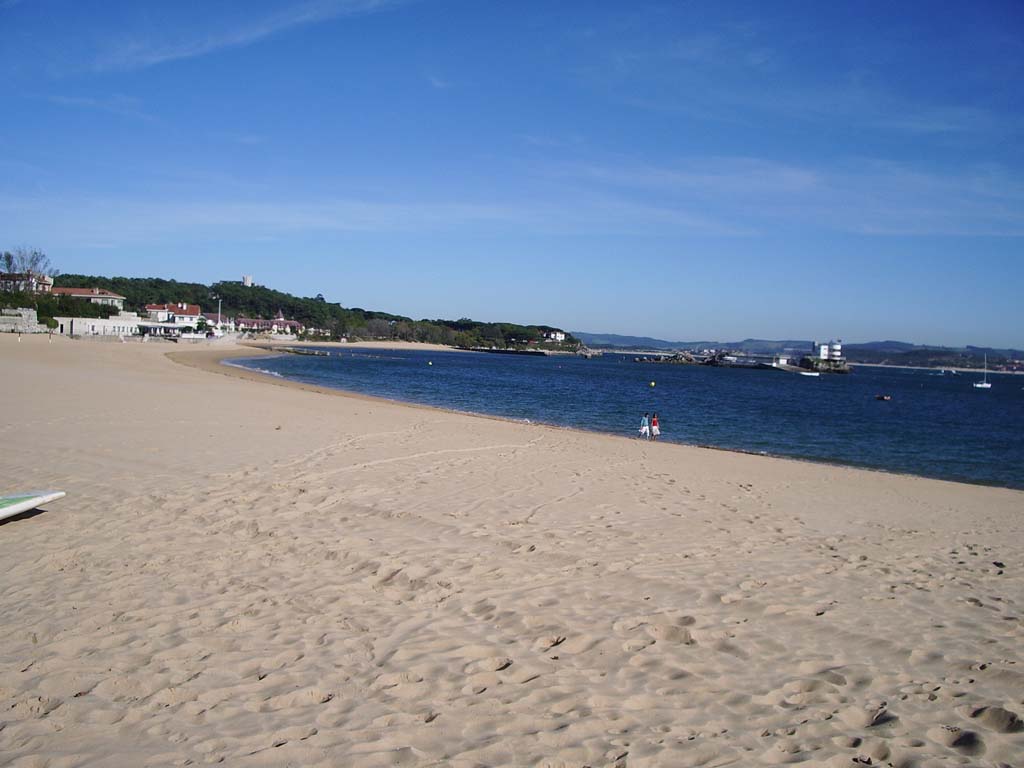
x=256, y=322
x=178, y=309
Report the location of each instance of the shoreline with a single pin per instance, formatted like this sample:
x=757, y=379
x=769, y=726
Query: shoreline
x=216, y=361
x=384, y=345
x=251, y=575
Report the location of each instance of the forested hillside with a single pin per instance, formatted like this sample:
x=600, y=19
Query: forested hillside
x=331, y=319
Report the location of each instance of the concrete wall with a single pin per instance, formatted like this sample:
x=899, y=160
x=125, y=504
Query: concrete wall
x=20, y=321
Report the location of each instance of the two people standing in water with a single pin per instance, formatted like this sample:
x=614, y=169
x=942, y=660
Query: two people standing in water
x=649, y=427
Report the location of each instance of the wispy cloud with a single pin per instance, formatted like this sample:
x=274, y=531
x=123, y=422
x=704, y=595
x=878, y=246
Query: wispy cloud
x=889, y=199
x=730, y=75
x=731, y=175
x=861, y=196
x=438, y=82
x=934, y=120
x=138, y=54
x=127, y=221
x=118, y=104
x=747, y=102
x=710, y=197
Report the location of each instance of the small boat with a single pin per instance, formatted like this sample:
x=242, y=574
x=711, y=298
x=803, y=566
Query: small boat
x=809, y=373
x=886, y=398
x=984, y=383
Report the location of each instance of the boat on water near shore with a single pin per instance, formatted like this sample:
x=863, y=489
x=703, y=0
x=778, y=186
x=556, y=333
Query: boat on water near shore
x=984, y=383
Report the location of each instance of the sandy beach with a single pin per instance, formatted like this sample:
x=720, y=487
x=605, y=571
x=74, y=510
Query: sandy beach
x=254, y=573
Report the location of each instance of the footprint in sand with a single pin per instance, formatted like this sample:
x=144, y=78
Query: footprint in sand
x=548, y=641
x=867, y=716
x=491, y=664
x=997, y=719
x=965, y=742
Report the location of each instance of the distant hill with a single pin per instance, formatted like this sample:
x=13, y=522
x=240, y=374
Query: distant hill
x=883, y=352
x=760, y=346
x=886, y=346
x=612, y=340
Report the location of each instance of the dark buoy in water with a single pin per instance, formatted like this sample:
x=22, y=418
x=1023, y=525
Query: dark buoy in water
x=883, y=397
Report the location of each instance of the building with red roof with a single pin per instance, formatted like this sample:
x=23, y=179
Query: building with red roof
x=94, y=295
x=277, y=325
x=176, y=313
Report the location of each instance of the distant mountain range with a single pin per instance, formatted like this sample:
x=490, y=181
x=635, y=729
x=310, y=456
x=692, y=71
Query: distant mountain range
x=872, y=351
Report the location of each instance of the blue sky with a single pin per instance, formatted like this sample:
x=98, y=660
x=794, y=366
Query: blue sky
x=680, y=170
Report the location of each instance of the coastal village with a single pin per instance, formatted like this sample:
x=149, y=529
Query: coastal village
x=169, y=321
x=250, y=311
x=178, y=317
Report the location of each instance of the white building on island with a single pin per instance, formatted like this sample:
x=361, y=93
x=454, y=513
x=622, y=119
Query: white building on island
x=832, y=350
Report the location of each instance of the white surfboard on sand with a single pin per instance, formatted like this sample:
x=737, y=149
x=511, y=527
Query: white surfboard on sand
x=16, y=503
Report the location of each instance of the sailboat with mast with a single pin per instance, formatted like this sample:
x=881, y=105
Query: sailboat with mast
x=984, y=383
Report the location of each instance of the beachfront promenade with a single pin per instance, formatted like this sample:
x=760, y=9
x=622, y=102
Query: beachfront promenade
x=263, y=575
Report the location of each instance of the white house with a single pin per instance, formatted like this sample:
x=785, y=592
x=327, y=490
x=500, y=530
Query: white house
x=93, y=295
x=26, y=282
x=554, y=336
x=170, y=319
x=179, y=313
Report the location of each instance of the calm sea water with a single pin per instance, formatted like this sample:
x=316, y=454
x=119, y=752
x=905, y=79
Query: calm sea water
x=937, y=426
